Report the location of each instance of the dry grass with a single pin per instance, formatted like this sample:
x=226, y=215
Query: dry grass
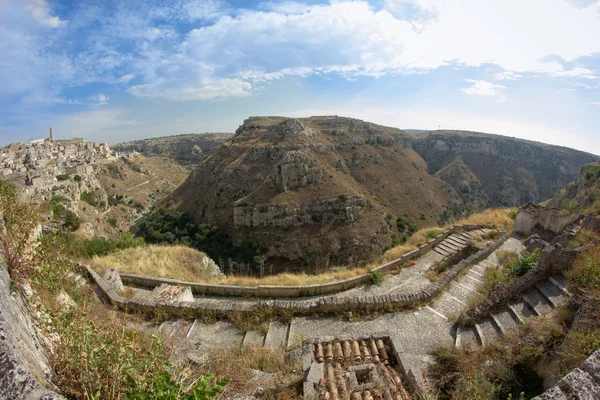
x=176, y=262
x=500, y=218
x=251, y=367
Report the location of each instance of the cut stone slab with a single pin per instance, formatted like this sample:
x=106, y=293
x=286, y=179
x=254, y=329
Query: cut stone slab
x=553, y=393
x=537, y=301
x=553, y=294
x=315, y=372
x=254, y=338
x=277, y=337
x=204, y=338
x=113, y=278
x=580, y=385
x=468, y=337
x=448, y=305
x=505, y=318
x=522, y=310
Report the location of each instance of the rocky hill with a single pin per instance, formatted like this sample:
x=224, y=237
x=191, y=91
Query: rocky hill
x=187, y=149
x=325, y=191
x=319, y=191
x=493, y=170
x=583, y=193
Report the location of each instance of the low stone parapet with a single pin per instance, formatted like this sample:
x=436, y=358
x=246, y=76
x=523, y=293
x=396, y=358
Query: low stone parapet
x=323, y=305
x=271, y=291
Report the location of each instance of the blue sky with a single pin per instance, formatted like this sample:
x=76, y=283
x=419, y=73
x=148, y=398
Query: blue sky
x=116, y=70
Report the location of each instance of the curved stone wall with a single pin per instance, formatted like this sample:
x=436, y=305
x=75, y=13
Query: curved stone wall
x=267, y=291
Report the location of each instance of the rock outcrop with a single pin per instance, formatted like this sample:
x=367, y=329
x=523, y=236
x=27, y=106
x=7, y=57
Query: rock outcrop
x=25, y=372
x=317, y=191
x=511, y=171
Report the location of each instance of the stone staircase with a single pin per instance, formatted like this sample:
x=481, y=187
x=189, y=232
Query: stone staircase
x=188, y=338
x=456, y=242
x=538, y=300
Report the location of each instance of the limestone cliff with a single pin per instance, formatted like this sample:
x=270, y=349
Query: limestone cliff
x=187, y=149
x=510, y=171
x=317, y=191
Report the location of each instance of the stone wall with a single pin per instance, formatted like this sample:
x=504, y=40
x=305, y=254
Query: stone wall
x=553, y=257
x=25, y=372
x=533, y=216
x=323, y=305
x=264, y=291
x=317, y=211
x=581, y=383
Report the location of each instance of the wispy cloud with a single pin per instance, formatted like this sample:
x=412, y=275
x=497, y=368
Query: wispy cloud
x=485, y=88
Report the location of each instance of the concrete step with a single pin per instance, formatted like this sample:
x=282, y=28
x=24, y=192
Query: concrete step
x=441, y=251
x=560, y=282
x=448, y=305
x=521, y=310
x=553, y=294
x=479, y=268
x=455, y=242
x=505, y=319
x=468, y=234
x=254, y=338
x=486, y=330
x=466, y=237
x=447, y=248
x=466, y=337
x=461, y=292
x=277, y=336
x=537, y=301
x=474, y=277
x=469, y=283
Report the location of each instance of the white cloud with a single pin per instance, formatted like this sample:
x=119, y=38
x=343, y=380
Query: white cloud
x=507, y=75
x=595, y=103
x=484, y=88
x=100, y=99
x=234, y=52
x=41, y=13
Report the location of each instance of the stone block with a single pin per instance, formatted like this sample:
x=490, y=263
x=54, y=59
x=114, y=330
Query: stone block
x=315, y=372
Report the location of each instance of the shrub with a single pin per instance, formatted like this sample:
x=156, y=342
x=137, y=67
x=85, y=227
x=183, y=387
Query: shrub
x=62, y=177
x=57, y=208
x=525, y=263
x=422, y=217
x=77, y=178
x=316, y=218
x=72, y=221
x=433, y=233
x=342, y=197
x=89, y=198
x=400, y=224
x=207, y=387
x=376, y=277
x=102, y=247
x=112, y=222
x=513, y=212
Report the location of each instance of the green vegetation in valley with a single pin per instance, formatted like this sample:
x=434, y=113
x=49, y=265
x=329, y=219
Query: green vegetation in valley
x=175, y=227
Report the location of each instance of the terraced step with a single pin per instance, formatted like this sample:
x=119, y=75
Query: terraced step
x=537, y=301
x=441, y=251
x=254, y=338
x=459, y=244
x=449, y=305
x=553, y=294
x=505, y=319
x=277, y=336
x=466, y=337
x=521, y=310
x=487, y=331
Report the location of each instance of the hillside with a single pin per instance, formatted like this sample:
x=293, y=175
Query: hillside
x=187, y=149
x=499, y=170
x=334, y=186
x=582, y=193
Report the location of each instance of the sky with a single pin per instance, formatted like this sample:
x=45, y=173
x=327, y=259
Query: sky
x=119, y=70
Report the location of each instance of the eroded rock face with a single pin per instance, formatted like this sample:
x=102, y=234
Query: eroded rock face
x=316, y=191
x=512, y=172
x=24, y=366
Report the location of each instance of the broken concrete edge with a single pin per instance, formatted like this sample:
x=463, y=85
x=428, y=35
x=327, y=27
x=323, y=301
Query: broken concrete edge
x=325, y=305
x=581, y=383
x=270, y=291
x=552, y=256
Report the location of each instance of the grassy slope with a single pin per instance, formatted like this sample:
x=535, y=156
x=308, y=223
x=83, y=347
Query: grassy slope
x=177, y=262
